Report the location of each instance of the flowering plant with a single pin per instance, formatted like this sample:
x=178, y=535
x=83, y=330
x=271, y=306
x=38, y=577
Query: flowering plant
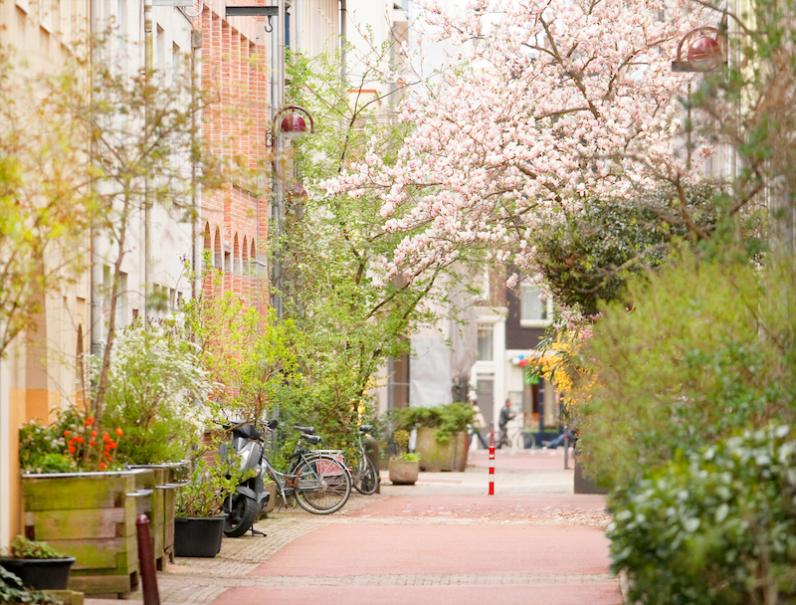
x=88, y=448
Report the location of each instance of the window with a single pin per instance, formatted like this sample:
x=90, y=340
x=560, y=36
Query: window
x=484, y=343
x=535, y=308
x=46, y=14
x=176, y=63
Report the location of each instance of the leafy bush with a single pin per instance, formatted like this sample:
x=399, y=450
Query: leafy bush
x=588, y=257
x=22, y=548
x=43, y=450
x=697, y=351
x=207, y=488
x=447, y=419
x=715, y=527
x=156, y=391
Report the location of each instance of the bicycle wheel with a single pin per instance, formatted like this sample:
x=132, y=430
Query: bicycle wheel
x=323, y=485
x=366, y=477
x=518, y=442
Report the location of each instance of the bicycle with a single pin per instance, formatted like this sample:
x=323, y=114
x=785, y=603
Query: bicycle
x=320, y=483
x=365, y=476
x=515, y=438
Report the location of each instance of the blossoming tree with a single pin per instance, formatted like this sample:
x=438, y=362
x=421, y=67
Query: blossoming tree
x=553, y=103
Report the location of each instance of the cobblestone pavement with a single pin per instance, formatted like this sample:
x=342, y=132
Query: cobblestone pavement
x=441, y=541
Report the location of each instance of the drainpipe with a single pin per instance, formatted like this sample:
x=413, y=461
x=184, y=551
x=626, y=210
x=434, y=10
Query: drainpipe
x=148, y=65
x=196, y=49
x=343, y=41
x=95, y=266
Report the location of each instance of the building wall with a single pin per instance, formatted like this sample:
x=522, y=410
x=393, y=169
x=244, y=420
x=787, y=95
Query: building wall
x=234, y=218
x=40, y=372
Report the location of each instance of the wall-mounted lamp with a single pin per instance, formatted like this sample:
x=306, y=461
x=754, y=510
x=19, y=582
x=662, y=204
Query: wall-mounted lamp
x=292, y=123
x=706, y=50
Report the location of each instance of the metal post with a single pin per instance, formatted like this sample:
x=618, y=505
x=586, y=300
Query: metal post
x=146, y=562
x=492, y=460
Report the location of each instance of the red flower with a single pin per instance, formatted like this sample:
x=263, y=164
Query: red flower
x=102, y=466
x=113, y=445
x=71, y=449
x=67, y=433
x=90, y=421
x=119, y=431
x=106, y=437
x=93, y=433
x=79, y=439
x=92, y=442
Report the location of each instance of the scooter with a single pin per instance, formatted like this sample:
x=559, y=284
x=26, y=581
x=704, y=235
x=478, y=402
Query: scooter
x=243, y=508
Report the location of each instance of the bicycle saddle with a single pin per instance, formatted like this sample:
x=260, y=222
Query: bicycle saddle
x=366, y=428
x=311, y=438
x=310, y=430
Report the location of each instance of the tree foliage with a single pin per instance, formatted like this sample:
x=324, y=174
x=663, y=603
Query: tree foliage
x=691, y=354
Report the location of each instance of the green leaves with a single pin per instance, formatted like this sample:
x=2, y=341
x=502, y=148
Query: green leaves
x=712, y=527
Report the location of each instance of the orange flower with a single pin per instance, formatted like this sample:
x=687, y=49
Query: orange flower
x=102, y=466
x=92, y=442
x=119, y=431
x=67, y=433
x=79, y=439
x=106, y=437
x=93, y=433
x=71, y=449
x=90, y=421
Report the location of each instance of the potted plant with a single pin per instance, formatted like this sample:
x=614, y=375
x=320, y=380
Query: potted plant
x=37, y=564
x=441, y=434
x=404, y=467
x=77, y=496
x=199, y=525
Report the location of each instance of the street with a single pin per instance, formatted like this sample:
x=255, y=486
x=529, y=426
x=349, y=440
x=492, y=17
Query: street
x=441, y=541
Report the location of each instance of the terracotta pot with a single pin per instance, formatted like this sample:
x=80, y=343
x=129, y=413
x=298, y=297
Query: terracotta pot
x=403, y=472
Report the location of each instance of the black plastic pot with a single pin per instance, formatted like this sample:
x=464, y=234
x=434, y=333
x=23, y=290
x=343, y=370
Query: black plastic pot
x=41, y=574
x=198, y=536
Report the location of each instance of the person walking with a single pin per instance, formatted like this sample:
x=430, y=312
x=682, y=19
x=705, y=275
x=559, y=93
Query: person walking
x=478, y=425
x=506, y=416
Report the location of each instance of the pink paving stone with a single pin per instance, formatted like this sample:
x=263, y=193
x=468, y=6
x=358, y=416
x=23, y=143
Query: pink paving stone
x=525, y=460
x=547, y=594
x=365, y=549
x=478, y=507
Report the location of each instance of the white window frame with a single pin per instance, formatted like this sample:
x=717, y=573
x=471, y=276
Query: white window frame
x=491, y=327
x=535, y=323
x=23, y=5
x=46, y=15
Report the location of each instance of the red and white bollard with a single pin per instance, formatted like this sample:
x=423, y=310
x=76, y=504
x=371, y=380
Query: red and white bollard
x=492, y=461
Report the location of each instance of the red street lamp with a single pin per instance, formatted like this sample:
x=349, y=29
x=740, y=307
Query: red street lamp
x=292, y=124
x=706, y=50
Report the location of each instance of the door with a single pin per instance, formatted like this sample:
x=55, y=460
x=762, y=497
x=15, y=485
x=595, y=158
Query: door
x=485, y=396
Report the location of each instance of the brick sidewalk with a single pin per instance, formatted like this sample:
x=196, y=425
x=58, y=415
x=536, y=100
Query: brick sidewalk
x=440, y=541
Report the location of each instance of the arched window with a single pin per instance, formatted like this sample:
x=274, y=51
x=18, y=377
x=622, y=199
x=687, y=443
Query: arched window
x=236, y=256
x=208, y=245
x=253, y=259
x=218, y=255
x=245, y=258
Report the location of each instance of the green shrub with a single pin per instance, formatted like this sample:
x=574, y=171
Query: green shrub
x=156, y=393
x=207, y=487
x=698, y=351
x=22, y=548
x=447, y=419
x=717, y=526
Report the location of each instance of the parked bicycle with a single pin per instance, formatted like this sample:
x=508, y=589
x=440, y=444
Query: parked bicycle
x=364, y=474
x=320, y=482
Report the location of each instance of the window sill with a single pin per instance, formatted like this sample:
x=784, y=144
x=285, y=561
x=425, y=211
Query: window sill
x=535, y=323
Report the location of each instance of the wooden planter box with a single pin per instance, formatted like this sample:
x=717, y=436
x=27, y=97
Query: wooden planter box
x=450, y=456
x=164, y=508
x=90, y=516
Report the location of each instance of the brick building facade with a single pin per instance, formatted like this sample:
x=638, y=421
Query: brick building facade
x=234, y=217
